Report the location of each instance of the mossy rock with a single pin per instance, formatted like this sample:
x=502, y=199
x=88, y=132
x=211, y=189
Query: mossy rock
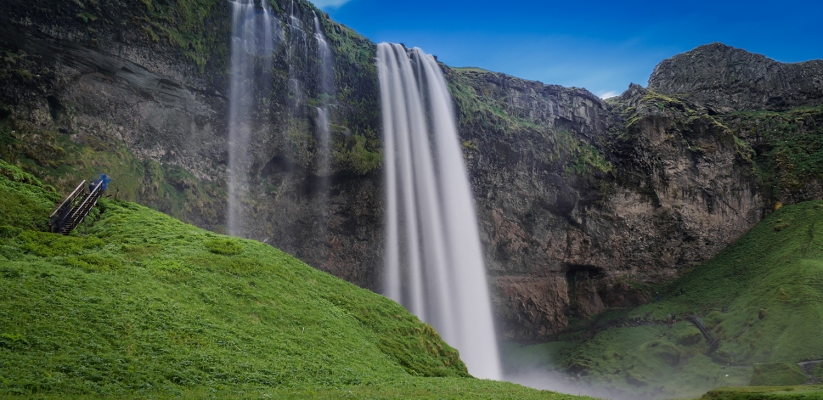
x=778, y=374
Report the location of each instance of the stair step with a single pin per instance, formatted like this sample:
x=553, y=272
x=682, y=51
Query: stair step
x=80, y=212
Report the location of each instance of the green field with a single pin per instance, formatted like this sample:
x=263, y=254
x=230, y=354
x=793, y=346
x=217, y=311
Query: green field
x=137, y=304
x=811, y=392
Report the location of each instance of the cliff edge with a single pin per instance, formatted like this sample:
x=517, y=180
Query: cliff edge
x=725, y=79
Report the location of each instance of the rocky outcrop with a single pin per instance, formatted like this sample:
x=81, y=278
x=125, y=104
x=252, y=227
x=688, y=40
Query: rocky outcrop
x=725, y=79
x=581, y=201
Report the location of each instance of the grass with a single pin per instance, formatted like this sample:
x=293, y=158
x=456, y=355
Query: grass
x=818, y=370
x=25, y=199
x=762, y=296
x=777, y=374
x=583, y=158
x=766, y=393
x=788, y=145
x=136, y=304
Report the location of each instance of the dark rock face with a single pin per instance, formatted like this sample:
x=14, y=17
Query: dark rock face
x=581, y=201
x=725, y=79
x=104, y=83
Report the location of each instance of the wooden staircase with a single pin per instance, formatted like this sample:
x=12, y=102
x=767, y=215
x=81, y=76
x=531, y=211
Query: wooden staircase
x=711, y=339
x=74, y=208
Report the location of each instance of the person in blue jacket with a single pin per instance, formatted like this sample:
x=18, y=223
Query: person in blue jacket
x=103, y=181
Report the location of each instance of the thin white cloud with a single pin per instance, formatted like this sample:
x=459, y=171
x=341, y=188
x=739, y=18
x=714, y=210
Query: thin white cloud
x=610, y=93
x=329, y=4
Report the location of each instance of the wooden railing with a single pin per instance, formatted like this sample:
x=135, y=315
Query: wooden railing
x=67, y=215
x=711, y=338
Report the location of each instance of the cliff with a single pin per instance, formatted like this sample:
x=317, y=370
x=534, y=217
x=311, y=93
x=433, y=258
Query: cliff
x=582, y=202
x=725, y=79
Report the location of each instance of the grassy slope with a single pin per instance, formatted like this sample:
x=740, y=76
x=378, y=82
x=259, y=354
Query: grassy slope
x=137, y=303
x=812, y=392
x=771, y=284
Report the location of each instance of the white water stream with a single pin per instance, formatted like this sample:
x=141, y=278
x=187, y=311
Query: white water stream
x=252, y=38
x=326, y=88
x=433, y=262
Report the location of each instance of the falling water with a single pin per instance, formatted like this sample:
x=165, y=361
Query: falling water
x=297, y=55
x=326, y=89
x=434, y=264
x=252, y=39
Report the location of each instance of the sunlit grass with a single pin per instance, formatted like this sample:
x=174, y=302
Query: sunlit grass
x=136, y=304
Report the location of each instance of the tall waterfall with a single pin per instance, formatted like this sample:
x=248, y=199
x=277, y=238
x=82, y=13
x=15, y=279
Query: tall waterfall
x=252, y=39
x=326, y=89
x=434, y=265
x=298, y=53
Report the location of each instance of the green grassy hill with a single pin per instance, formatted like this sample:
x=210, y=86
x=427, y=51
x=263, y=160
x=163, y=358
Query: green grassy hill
x=135, y=303
x=762, y=296
x=809, y=392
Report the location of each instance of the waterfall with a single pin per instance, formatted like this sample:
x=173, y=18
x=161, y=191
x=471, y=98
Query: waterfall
x=297, y=55
x=433, y=261
x=326, y=91
x=252, y=39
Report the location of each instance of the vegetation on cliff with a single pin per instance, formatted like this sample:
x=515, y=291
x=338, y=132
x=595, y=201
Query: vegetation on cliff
x=788, y=147
x=481, y=116
x=63, y=161
x=761, y=297
x=136, y=303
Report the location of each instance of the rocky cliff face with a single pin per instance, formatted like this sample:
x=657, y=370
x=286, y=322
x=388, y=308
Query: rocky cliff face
x=91, y=74
x=582, y=202
x=725, y=79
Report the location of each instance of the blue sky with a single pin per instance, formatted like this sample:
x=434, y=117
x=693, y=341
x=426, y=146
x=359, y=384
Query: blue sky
x=599, y=45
